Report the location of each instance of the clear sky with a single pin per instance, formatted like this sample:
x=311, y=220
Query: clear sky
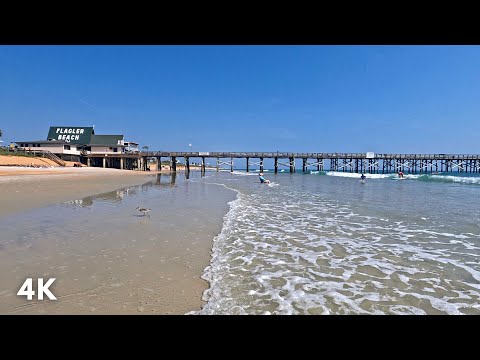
x=404, y=99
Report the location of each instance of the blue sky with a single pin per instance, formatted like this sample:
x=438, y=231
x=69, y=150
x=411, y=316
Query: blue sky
x=404, y=99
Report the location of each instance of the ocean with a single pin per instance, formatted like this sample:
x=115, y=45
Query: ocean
x=323, y=243
x=313, y=243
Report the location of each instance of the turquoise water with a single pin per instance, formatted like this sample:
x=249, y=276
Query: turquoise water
x=323, y=243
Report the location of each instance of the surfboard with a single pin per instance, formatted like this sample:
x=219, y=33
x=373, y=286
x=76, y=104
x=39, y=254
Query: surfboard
x=362, y=181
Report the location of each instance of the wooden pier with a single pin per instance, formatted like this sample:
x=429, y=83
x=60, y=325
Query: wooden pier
x=371, y=163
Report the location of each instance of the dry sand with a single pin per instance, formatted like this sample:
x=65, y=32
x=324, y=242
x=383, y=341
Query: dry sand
x=6, y=160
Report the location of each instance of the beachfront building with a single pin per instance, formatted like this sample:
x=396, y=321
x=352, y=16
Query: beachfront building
x=131, y=147
x=73, y=142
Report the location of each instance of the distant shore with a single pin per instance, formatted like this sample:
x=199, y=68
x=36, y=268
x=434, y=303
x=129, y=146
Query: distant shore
x=17, y=164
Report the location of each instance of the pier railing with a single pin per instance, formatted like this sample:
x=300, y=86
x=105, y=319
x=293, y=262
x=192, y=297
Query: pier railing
x=328, y=155
x=326, y=161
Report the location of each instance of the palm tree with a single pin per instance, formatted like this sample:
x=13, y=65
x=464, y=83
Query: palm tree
x=145, y=148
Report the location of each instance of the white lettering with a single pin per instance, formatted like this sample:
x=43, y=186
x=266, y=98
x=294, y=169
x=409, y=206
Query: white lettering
x=43, y=289
x=70, y=131
x=81, y=131
x=77, y=137
x=58, y=129
x=78, y=131
x=59, y=137
x=27, y=289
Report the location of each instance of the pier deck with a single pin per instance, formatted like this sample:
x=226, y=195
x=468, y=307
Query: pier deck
x=346, y=162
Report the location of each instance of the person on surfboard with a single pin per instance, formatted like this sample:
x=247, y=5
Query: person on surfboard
x=363, y=177
x=400, y=174
x=263, y=180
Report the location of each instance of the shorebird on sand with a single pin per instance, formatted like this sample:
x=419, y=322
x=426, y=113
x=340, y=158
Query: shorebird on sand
x=143, y=210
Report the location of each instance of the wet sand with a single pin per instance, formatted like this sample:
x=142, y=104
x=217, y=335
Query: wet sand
x=108, y=259
x=28, y=188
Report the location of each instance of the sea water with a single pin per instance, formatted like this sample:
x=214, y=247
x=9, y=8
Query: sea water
x=324, y=243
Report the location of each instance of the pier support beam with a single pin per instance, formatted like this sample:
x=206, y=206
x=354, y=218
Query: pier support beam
x=104, y=162
x=318, y=164
x=218, y=164
x=276, y=165
x=304, y=166
x=203, y=165
x=231, y=164
x=173, y=167
x=88, y=162
x=122, y=164
x=187, y=164
x=292, y=165
x=261, y=164
x=248, y=160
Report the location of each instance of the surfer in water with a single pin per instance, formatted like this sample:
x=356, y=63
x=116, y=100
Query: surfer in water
x=363, y=177
x=400, y=174
x=263, y=180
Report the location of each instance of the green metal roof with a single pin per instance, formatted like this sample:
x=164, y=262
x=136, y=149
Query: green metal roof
x=106, y=140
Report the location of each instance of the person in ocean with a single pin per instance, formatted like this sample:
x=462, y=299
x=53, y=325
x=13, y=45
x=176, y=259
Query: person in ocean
x=263, y=180
x=400, y=174
x=363, y=177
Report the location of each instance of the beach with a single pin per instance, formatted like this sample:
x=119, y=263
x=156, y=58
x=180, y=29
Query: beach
x=307, y=243
x=81, y=226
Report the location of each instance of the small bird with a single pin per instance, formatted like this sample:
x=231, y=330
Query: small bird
x=143, y=210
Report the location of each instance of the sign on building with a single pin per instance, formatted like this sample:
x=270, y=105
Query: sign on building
x=203, y=153
x=74, y=135
x=370, y=155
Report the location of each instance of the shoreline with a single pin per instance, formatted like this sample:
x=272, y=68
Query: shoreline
x=207, y=272
x=174, y=268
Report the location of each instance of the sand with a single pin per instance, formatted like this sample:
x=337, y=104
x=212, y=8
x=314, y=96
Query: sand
x=29, y=188
x=7, y=160
x=121, y=265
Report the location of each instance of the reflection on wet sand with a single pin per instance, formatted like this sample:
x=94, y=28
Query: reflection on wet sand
x=170, y=179
x=118, y=195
